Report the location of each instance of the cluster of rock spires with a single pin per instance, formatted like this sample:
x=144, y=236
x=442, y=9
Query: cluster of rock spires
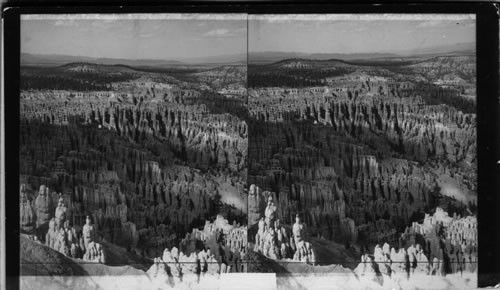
x=222, y=250
x=328, y=221
x=452, y=241
x=54, y=230
x=276, y=241
x=358, y=159
x=227, y=242
x=177, y=268
x=191, y=131
x=440, y=245
x=144, y=168
x=408, y=124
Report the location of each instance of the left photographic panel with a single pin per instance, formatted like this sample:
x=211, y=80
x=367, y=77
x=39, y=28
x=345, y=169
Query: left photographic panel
x=133, y=147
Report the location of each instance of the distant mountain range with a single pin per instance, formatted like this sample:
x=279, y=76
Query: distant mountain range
x=275, y=56
x=58, y=59
x=241, y=59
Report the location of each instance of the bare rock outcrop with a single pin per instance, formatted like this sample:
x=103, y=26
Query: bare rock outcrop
x=276, y=240
x=357, y=157
x=139, y=168
x=26, y=212
x=426, y=249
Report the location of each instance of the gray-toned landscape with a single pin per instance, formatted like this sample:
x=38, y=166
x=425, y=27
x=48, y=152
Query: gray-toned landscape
x=364, y=153
x=132, y=166
x=343, y=149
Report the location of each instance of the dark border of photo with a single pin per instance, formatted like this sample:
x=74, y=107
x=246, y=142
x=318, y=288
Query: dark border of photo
x=488, y=105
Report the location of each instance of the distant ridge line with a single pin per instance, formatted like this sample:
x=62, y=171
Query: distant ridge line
x=384, y=61
x=54, y=60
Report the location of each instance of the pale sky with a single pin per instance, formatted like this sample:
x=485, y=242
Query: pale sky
x=134, y=37
x=363, y=33
x=182, y=36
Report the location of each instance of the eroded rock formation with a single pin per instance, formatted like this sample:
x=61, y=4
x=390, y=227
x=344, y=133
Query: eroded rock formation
x=26, y=212
x=216, y=249
x=148, y=161
x=359, y=158
x=60, y=236
x=278, y=241
x=440, y=245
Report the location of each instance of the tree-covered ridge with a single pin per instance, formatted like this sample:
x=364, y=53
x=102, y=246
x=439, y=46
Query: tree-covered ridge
x=279, y=76
x=75, y=77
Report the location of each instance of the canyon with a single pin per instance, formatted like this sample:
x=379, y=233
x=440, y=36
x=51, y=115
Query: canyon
x=361, y=150
x=148, y=160
x=305, y=166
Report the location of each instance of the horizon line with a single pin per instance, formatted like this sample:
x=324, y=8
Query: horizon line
x=184, y=59
x=121, y=58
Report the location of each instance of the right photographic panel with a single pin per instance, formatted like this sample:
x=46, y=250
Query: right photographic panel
x=362, y=148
